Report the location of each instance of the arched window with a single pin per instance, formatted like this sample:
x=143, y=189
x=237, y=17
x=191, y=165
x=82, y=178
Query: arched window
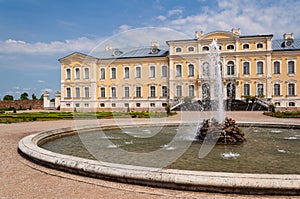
x=178, y=70
x=152, y=91
x=164, y=91
x=68, y=73
x=259, y=45
x=113, y=92
x=164, y=71
x=277, y=89
x=138, y=72
x=205, y=91
x=191, y=72
x=246, y=68
x=246, y=89
x=77, y=73
x=126, y=72
x=191, y=49
x=260, y=68
x=178, y=50
x=277, y=67
x=246, y=46
x=205, y=48
x=152, y=71
x=291, y=67
x=230, y=88
x=230, y=68
x=205, y=69
x=179, y=91
x=113, y=73
x=230, y=47
x=291, y=89
x=102, y=73
x=191, y=90
x=292, y=104
x=86, y=73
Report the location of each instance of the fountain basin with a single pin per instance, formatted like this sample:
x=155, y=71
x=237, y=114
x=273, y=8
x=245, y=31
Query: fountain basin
x=281, y=184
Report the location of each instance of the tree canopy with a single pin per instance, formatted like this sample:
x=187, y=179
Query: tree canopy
x=24, y=96
x=8, y=97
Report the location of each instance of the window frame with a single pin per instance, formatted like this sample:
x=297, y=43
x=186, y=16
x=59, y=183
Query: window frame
x=246, y=89
x=277, y=68
x=247, y=67
x=259, y=68
x=191, y=70
x=113, y=73
x=178, y=68
x=230, y=68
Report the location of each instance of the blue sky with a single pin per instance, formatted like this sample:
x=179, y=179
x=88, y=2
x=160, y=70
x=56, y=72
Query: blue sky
x=34, y=34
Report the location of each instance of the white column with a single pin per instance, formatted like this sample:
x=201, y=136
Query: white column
x=268, y=84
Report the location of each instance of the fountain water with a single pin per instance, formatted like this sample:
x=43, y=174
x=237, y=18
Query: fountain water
x=217, y=129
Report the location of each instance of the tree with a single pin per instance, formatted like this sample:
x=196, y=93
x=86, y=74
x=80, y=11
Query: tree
x=34, y=97
x=42, y=97
x=24, y=96
x=8, y=97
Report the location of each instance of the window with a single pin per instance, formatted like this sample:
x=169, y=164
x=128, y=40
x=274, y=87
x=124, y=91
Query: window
x=230, y=47
x=292, y=104
x=152, y=71
x=152, y=104
x=68, y=105
x=77, y=92
x=102, y=73
x=126, y=105
x=68, y=92
x=77, y=73
x=260, y=68
x=277, y=67
x=113, y=73
x=191, y=70
x=77, y=105
x=246, y=68
x=68, y=72
x=205, y=48
x=191, y=90
x=138, y=91
x=113, y=105
x=113, y=92
x=138, y=72
x=178, y=50
x=191, y=49
x=87, y=92
x=152, y=91
x=291, y=89
x=277, y=104
x=126, y=72
x=102, y=92
x=102, y=105
x=126, y=92
x=260, y=90
x=164, y=71
x=260, y=45
x=178, y=71
x=164, y=91
x=179, y=91
x=205, y=68
x=291, y=67
x=138, y=104
x=277, y=89
x=246, y=89
x=246, y=46
x=86, y=73
x=230, y=68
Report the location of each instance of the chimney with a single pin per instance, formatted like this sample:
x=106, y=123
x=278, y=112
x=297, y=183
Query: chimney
x=236, y=31
x=199, y=34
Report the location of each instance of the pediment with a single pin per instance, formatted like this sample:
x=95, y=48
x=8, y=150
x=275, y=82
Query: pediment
x=76, y=56
x=219, y=35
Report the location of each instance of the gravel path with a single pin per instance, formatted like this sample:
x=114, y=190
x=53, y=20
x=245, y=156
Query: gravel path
x=20, y=178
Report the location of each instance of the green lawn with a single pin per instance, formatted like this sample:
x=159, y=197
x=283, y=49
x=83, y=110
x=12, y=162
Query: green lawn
x=287, y=114
x=46, y=116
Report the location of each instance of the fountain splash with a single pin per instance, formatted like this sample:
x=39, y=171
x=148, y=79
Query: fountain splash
x=217, y=85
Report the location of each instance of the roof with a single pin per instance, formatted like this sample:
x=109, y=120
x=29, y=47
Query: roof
x=279, y=44
x=132, y=53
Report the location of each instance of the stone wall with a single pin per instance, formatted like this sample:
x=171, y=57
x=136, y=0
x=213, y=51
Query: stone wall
x=24, y=104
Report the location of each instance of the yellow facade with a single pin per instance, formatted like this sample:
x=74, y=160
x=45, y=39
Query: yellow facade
x=255, y=65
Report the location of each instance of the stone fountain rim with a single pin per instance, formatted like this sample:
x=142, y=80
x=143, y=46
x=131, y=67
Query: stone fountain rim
x=224, y=182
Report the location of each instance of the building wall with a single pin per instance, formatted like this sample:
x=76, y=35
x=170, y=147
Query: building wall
x=255, y=50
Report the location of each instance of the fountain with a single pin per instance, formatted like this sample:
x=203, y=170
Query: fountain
x=218, y=129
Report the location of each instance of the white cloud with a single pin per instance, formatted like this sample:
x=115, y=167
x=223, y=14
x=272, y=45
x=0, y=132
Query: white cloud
x=41, y=81
x=124, y=27
x=15, y=46
x=177, y=11
x=252, y=17
x=161, y=18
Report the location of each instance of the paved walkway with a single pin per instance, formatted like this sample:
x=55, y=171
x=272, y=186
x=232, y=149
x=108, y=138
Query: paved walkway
x=20, y=178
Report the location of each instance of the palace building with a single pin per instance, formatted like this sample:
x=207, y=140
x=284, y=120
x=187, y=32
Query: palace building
x=148, y=79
